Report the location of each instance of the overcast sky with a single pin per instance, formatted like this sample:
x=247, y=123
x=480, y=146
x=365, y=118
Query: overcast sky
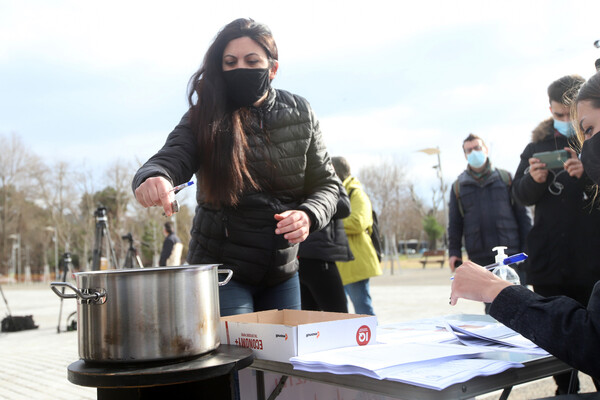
x=98, y=81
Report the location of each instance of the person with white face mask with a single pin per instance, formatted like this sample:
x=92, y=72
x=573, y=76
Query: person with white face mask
x=481, y=210
x=564, y=327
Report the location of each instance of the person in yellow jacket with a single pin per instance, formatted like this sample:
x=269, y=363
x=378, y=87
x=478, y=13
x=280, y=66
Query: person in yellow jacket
x=355, y=274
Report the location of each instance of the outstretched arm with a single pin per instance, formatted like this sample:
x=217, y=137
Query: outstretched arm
x=559, y=324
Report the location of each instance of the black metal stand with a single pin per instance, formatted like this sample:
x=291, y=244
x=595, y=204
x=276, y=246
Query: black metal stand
x=210, y=376
x=64, y=268
x=10, y=321
x=101, y=233
x=132, y=258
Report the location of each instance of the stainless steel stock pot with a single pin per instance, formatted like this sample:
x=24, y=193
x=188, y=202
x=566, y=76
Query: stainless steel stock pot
x=149, y=314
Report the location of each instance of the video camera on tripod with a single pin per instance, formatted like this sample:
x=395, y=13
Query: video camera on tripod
x=100, y=213
x=65, y=264
x=132, y=257
x=101, y=233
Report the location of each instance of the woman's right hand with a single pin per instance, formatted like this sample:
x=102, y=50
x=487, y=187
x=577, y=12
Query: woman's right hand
x=473, y=282
x=156, y=191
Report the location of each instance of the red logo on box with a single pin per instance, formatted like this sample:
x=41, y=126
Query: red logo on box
x=363, y=335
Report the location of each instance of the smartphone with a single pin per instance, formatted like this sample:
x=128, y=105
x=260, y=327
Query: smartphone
x=553, y=159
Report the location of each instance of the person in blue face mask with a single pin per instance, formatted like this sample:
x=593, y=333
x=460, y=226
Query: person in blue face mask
x=482, y=211
x=566, y=328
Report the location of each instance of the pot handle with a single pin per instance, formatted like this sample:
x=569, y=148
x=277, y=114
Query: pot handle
x=229, y=275
x=78, y=293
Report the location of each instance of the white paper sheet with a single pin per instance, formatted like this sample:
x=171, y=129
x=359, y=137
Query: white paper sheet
x=426, y=353
x=375, y=359
x=494, y=335
x=439, y=375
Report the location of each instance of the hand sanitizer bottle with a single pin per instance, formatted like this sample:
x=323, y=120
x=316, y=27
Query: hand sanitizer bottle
x=504, y=271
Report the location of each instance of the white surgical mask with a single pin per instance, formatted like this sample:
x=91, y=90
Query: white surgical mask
x=564, y=128
x=476, y=159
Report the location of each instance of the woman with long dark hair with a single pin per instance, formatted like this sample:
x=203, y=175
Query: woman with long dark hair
x=265, y=180
x=558, y=324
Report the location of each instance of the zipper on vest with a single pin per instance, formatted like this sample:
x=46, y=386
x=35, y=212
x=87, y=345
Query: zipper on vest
x=224, y=219
x=260, y=118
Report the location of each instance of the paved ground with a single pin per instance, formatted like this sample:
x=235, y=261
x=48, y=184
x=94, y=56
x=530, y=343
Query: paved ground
x=33, y=364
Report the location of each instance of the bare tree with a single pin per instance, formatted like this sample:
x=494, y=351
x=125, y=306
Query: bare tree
x=389, y=190
x=118, y=198
x=17, y=164
x=412, y=212
x=61, y=198
x=87, y=206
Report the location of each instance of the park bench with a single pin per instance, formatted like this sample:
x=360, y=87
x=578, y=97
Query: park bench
x=433, y=256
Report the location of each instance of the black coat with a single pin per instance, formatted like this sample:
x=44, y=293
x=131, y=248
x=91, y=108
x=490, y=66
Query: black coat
x=558, y=324
x=564, y=243
x=289, y=155
x=331, y=242
x=167, y=248
x=490, y=218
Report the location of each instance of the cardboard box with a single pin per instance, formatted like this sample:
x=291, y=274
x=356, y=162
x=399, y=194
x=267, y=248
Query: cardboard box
x=278, y=335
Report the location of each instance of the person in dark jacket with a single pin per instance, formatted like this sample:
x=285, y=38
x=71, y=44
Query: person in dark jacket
x=321, y=286
x=564, y=243
x=481, y=210
x=265, y=179
x=559, y=324
x=171, y=249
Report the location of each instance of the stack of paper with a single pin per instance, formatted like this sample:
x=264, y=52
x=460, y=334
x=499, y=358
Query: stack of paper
x=429, y=365
x=439, y=375
x=433, y=353
x=495, y=335
x=426, y=330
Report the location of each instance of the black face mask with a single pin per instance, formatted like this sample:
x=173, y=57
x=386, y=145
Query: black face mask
x=246, y=85
x=590, y=158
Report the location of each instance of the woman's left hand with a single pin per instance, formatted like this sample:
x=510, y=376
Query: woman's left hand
x=294, y=225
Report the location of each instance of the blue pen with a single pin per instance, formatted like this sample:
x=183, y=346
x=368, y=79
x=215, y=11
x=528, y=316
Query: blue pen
x=178, y=188
x=508, y=260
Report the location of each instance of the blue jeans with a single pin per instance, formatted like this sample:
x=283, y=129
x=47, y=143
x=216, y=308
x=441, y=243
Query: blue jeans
x=238, y=298
x=360, y=297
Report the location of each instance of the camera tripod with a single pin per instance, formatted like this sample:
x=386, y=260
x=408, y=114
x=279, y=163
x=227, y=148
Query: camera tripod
x=132, y=255
x=64, y=267
x=101, y=233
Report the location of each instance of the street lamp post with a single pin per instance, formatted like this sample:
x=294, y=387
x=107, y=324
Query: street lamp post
x=55, y=240
x=46, y=266
x=438, y=167
x=16, y=254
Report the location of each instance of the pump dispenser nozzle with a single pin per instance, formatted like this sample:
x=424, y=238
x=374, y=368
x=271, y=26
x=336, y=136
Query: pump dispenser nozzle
x=503, y=271
x=500, y=255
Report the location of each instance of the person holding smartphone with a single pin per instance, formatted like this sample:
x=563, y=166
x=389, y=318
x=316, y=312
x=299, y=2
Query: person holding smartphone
x=568, y=329
x=564, y=243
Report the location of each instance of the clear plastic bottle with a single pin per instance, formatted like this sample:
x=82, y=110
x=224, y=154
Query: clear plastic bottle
x=504, y=271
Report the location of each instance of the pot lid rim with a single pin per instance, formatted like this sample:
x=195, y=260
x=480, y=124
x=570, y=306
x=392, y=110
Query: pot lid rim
x=201, y=267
